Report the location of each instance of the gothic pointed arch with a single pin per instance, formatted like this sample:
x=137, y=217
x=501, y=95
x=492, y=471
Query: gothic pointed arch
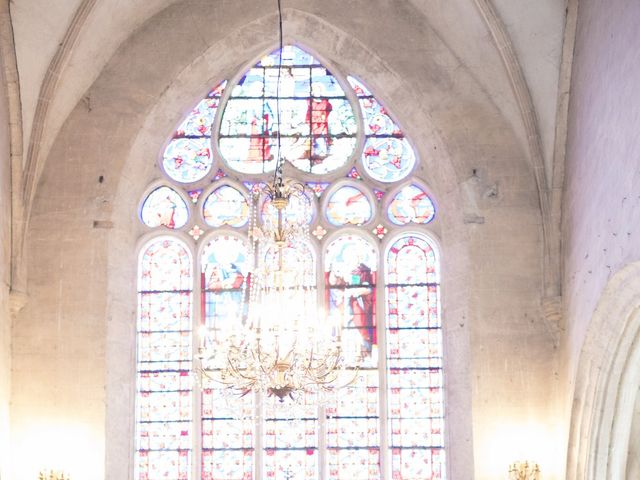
x=341, y=142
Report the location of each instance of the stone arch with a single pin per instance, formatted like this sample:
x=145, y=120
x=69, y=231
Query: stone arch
x=607, y=382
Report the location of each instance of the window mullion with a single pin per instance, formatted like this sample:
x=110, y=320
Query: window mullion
x=258, y=437
x=197, y=320
x=381, y=328
x=322, y=413
x=322, y=442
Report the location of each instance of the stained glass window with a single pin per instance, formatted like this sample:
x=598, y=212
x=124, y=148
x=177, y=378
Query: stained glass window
x=198, y=123
x=387, y=155
x=164, y=206
x=227, y=442
x=226, y=206
x=349, y=206
x=414, y=360
x=352, y=424
x=164, y=408
x=350, y=279
x=388, y=422
x=411, y=205
x=317, y=124
x=291, y=446
x=188, y=158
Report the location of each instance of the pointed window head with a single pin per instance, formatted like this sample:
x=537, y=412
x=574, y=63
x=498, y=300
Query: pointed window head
x=299, y=98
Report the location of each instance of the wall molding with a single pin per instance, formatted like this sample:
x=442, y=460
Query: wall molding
x=17, y=281
x=25, y=171
x=607, y=382
x=35, y=157
x=550, y=231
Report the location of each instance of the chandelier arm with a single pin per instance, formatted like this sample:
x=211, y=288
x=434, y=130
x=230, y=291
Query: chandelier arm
x=235, y=370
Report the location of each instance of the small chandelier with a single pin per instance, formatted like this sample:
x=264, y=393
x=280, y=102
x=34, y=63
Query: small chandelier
x=53, y=475
x=281, y=346
x=524, y=471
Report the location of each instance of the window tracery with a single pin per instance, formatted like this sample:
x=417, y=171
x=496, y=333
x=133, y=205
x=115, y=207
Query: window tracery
x=382, y=288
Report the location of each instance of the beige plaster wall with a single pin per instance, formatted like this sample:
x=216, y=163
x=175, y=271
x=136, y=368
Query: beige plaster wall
x=601, y=225
x=601, y=212
x=74, y=341
x=5, y=273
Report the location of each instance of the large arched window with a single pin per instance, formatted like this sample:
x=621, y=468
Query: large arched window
x=370, y=255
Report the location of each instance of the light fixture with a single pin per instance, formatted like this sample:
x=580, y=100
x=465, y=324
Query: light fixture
x=280, y=345
x=53, y=475
x=524, y=471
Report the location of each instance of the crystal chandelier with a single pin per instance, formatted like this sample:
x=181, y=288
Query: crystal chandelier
x=281, y=344
x=524, y=471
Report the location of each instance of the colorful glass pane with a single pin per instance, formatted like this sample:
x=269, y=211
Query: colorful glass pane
x=285, y=464
x=352, y=430
x=358, y=87
x=414, y=360
x=412, y=260
x=418, y=463
x=290, y=56
x=350, y=278
x=387, y=156
x=226, y=206
x=388, y=159
x=227, y=441
x=164, y=400
x=291, y=446
x=165, y=266
x=194, y=195
x=348, y=206
x=377, y=121
x=353, y=173
x=227, y=464
x=318, y=187
x=160, y=464
x=254, y=187
x=187, y=160
x=353, y=464
x=164, y=206
x=411, y=205
x=316, y=123
x=224, y=270
x=219, y=174
x=160, y=311
x=198, y=123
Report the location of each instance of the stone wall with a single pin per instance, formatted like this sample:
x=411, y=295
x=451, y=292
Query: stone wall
x=5, y=275
x=601, y=221
x=601, y=214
